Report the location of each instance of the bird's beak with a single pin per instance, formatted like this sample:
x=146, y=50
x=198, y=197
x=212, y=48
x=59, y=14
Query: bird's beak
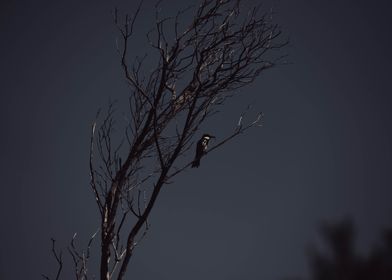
x=212, y=136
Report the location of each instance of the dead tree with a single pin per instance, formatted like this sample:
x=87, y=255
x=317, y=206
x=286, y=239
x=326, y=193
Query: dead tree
x=199, y=65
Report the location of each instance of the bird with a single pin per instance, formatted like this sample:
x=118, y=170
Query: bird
x=201, y=149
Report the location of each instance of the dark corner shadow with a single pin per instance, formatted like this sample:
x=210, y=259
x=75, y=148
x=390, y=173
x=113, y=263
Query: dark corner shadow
x=341, y=261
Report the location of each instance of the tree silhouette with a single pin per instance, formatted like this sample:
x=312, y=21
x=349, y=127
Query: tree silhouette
x=201, y=59
x=342, y=262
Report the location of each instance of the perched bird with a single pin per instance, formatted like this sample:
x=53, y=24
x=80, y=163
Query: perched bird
x=201, y=148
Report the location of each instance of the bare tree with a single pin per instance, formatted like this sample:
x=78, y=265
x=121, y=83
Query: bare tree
x=199, y=65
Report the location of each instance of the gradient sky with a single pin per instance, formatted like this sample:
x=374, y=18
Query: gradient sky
x=254, y=206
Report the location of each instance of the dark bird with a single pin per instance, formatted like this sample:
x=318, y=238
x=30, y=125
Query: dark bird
x=201, y=148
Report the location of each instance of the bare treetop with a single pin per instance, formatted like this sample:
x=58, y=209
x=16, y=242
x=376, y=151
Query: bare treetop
x=202, y=60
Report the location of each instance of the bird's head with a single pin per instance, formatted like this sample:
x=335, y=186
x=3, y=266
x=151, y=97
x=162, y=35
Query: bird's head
x=208, y=136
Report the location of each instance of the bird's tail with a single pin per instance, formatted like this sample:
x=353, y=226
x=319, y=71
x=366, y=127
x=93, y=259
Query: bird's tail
x=196, y=163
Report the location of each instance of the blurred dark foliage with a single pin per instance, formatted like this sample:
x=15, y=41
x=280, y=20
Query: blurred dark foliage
x=341, y=261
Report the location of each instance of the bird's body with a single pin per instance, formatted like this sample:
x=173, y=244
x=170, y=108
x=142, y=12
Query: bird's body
x=201, y=148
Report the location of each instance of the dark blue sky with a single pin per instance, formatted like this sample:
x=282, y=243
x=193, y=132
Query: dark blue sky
x=252, y=208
